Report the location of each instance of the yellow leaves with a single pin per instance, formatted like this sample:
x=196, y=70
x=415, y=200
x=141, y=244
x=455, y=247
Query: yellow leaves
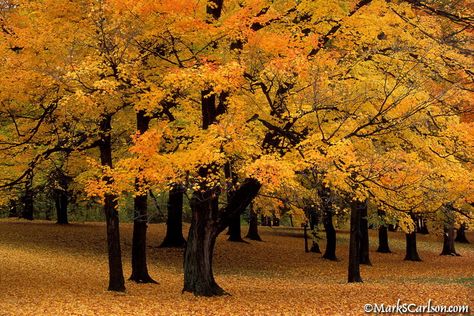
x=271, y=171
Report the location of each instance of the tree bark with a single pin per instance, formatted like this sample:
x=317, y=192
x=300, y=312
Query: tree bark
x=174, y=223
x=461, y=234
x=364, y=242
x=253, y=225
x=330, y=252
x=354, y=243
x=28, y=199
x=411, y=252
x=116, y=279
x=448, y=241
x=207, y=222
x=383, y=240
x=421, y=228
x=12, y=212
x=235, y=231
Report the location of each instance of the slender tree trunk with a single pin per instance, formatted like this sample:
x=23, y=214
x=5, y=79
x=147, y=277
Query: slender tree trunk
x=354, y=243
x=140, y=221
x=411, y=252
x=364, y=242
x=461, y=234
x=421, y=228
x=383, y=240
x=330, y=252
x=28, y=199
x=61, y=201
x=174, y=223
x=13, y=212
x=253, y=225
x=116, y=279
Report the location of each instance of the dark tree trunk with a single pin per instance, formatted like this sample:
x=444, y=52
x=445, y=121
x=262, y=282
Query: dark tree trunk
x=140, y=221
x=28, y=199
x=392, y=228
x=235, y=230
x=253, y=225
x=330, y=252
x=174, y=223
x=305, y=236
x=12, y=212
x=354, y=243
x=421, y=228
x=364, y=242
x=411, y=252
x=383, y=240
x=448, y=241
x=61, y=201
x=116, y=279
x=312, y=215
x=206, y=224
x=461, y=235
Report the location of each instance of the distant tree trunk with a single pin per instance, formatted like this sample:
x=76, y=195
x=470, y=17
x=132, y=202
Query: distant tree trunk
x=383, y=240
x=364, y=242
x=448, y=241
x=411, y=252
x=13, y=212
x=61, y=201
x=421, y=226
x=330, y=252
x=354, y=243
x=116, y=279
x=28, y=207
x=461, y=234
x=207, y=222
x=305, y=236
x=174, y=223
x=392, y=228
x=253, y=225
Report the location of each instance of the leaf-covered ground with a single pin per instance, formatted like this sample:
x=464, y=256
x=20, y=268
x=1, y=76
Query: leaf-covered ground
x=46, y=269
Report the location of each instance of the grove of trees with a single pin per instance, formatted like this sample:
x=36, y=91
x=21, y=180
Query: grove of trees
x=320, y=110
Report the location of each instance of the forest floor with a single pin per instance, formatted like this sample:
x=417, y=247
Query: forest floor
x=47, y=269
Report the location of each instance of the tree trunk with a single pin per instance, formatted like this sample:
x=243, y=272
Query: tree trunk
x=364, y=242
x=330, y=252
x=174, y=223
x=448, y=241
x=235, y=230
x=422, y=228
x=461, y=234
x=253, y=225
x=411, y=252
x=61, y=201
x=383, y=240
x=206, y=224
x=354, y=243
x=13, y=212
x=28, y=207
x=116, y=279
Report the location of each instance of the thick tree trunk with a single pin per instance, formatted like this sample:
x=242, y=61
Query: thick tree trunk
x=174, y=223
x=330, y=252
x=116, y=279
x=448, y=241
x=207, y=222
x=383, y=240
x=354, y=243
x=411, y=252
x=253, y=225
x=461, y=235
x=198, y=275
x=364, y=242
